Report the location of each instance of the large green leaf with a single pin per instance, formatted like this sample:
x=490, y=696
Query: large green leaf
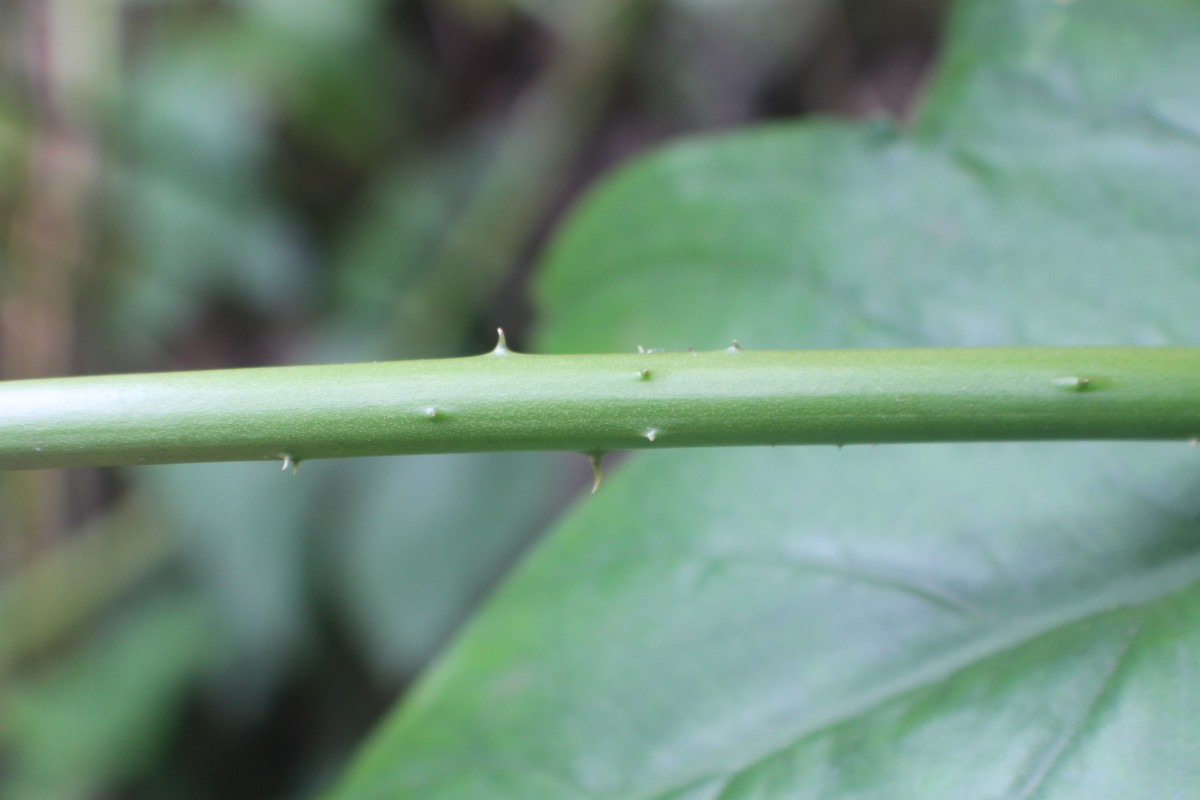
x=920, y=621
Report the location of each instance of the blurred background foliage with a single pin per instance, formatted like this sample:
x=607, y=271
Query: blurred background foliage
x=189, y=184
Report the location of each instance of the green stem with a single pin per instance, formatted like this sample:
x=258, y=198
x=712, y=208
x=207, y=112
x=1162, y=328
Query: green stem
x=597, y=403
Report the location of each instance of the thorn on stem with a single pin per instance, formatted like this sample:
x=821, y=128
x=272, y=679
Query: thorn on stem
x=651, y=434
x=736, y=347
x=501, y=344
x=289, y=463
x=596, y=459
x=644, y=375
x=1073, y=383
x=432, y=412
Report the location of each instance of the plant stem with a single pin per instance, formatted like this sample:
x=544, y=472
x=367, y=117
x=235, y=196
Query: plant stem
x=598, y=403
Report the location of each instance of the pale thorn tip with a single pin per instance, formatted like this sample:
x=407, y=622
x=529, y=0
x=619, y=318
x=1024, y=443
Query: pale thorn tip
x=644, y=375
x=641, y=350
x=1072, y=383
x=431, y=412
x=289, y=463
x=651, y=434
x=597, y=461
x=501, y=343
x=736, y=347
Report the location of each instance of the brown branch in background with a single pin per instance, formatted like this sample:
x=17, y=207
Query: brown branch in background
x=546, y=130
x=46, y=246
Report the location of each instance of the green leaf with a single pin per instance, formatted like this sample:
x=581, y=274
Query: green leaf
x=405, y=558
x=241, y=538
x=917, y=621
x=105, y=713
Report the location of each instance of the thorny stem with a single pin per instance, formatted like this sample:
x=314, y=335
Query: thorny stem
x=598, y=403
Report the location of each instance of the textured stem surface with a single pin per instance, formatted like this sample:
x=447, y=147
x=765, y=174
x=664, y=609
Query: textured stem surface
x=598, y=403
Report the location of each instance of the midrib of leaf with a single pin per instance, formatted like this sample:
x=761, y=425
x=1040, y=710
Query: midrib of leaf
x=1142, y=591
